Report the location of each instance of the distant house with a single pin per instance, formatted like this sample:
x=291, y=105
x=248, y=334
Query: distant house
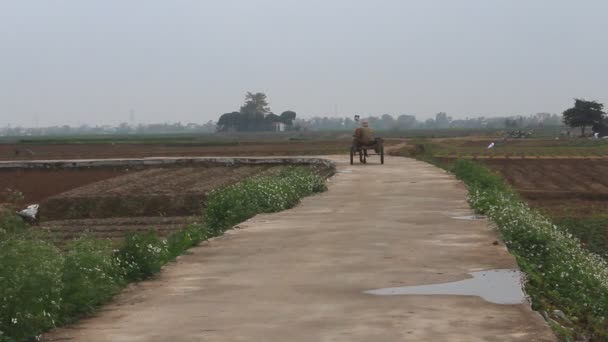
x=278, y=126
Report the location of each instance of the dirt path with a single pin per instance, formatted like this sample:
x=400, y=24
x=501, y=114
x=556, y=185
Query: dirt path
x=300, y=275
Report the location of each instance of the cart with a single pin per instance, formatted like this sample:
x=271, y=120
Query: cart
x=364, y=151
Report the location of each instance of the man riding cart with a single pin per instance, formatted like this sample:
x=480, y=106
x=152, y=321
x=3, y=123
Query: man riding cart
x=363, y=140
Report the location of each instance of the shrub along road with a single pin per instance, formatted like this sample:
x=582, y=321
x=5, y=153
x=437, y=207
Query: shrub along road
x=300, y=275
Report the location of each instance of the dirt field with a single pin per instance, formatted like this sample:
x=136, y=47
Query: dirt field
x=37, y=185
x=107, y=150
x=175, y=191
x=560, y=187
x=114, y=228
x=111, y=201
x=563, y=178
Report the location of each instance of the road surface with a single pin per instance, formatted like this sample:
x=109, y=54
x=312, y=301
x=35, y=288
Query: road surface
x=300, y=275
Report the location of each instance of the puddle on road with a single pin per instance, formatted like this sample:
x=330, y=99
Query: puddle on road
x=501, y=286
x=470, y=217
x=345, y=171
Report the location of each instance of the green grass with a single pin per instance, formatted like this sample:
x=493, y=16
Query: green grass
x=43, y=286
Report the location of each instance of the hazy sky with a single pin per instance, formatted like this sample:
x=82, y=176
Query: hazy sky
x=92, y=61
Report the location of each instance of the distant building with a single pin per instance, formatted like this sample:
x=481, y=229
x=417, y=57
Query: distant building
x=278, y=127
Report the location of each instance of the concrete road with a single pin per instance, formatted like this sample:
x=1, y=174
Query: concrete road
x=300, y=275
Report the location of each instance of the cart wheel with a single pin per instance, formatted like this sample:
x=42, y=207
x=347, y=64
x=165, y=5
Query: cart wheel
x=352, y=155
x=382, y=155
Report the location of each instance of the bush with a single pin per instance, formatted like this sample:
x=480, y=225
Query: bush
x=31, y=285
x=90, y=275
x=10, y=224
x=236, y=203
x=476, y=175
x=142, y=255
x=561, y=273
x=182, y=240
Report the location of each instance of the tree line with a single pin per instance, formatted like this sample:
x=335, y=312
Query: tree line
x=255, y=115
x=441, y=120
x=121, y=129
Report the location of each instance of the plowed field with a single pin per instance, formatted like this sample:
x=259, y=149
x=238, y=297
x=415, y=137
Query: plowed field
x=111, y=201
x=561, y=187
x=107, y=150
x=177, y=191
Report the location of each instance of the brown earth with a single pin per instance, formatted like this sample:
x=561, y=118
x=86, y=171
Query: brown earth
x=114, y=228
x=571, y=187
x=112, y=201
x=161, y=199
x=172, y=191
x=98, y=198
x=37, y=184
x=98, y=151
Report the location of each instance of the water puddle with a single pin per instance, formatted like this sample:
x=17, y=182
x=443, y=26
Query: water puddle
x=470, y=217
x=501, y=286
x=345, y=171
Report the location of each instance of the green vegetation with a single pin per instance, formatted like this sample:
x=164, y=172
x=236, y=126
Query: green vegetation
x=238, y=202
x=561, y=274
x=586, y=113
x=592, y=231
x=43, y=286
x=31, y=282
x=142, y=255
x=90, y=275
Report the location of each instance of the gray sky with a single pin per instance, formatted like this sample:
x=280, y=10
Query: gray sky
x=75, y=61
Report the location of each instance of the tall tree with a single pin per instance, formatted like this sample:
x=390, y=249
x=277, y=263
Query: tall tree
x=388, y=122
x=406, y=121
x=228, y=122
x=255, y=103
x=287, y=117
x=254, y=110
x=583, y=114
